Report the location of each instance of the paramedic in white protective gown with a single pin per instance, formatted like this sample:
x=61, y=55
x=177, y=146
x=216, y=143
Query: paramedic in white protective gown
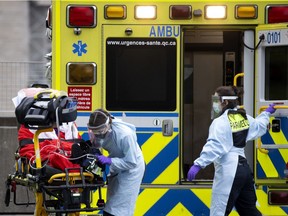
x=233, y=183
x=125, y=159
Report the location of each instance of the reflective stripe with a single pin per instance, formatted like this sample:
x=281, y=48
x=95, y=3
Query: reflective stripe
x=238, y=122
x=239, y=126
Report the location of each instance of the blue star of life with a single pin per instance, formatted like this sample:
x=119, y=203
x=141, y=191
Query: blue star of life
x=80, y=48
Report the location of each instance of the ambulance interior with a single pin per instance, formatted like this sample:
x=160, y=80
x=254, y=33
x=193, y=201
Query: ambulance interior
x=211, y=59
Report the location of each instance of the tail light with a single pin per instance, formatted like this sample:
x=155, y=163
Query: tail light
x=180, y=12
x=277, y=14
x=81, y=16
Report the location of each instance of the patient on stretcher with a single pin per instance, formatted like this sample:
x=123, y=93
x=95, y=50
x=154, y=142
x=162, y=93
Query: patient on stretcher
x=60, y=148
x=52, y=160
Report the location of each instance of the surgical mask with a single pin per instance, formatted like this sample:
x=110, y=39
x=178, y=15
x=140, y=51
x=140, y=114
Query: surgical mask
x=216, y=107
x=216, y=110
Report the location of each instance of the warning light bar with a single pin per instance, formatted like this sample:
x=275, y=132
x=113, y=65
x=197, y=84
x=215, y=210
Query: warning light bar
x=277, y=14
x=180, y=12
x=246, y=12
x=115, y=12
x=81, y=16
x=215, y=12
x=145, y=12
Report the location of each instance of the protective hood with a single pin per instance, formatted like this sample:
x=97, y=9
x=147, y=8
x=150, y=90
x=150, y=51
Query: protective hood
x=119, y=123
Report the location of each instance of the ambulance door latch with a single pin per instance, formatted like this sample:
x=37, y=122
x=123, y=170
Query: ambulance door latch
x=276, y=125
x=167, y=127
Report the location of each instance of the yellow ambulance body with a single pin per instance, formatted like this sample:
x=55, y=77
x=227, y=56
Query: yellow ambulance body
x=156, y=64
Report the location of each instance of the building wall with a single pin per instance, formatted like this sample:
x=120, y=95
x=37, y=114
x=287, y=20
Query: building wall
x=15, y=35
x=22, y=25
x=23, y=45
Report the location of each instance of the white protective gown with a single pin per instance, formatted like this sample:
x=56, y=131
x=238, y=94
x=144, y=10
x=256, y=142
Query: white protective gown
x=126, y=170
x=219, y=150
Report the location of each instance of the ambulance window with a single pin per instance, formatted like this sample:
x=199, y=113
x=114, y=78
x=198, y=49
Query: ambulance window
x=141, y=74
x=276, y=73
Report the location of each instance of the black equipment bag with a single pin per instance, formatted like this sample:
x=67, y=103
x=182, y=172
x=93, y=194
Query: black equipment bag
x=23, y=108
x=45, y=109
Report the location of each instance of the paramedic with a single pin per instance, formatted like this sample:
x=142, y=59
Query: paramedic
x=233, y=183
x=125, y=159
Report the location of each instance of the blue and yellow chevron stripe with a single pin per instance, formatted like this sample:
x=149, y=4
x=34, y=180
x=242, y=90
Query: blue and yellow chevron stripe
x=161, y=192
x=272, y=165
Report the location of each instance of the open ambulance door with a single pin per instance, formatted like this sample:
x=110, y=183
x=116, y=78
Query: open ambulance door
x=140, y=77
x=271, y=86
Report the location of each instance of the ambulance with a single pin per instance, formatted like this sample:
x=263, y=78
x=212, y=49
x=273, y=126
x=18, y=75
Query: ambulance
x=156, y=64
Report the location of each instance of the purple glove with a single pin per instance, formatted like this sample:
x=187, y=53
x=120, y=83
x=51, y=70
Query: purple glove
x=104, y=160
x=193, y=172
x=271, y=108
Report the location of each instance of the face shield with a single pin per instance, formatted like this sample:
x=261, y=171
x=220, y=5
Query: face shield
x=216, y=108
x=217, y=101
x=98, y=134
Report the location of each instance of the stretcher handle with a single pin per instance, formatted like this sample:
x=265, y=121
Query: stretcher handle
x=72, y=176
x=262, y=108
x=51, y=94
x=36, y=146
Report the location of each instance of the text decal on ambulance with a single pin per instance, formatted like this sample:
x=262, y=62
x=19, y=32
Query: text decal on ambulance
x=275, y=37
x=164, y=31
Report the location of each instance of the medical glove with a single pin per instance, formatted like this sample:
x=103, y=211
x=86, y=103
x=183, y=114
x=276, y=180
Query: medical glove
x=104, y=160
x=271, y=108
x=193, y=172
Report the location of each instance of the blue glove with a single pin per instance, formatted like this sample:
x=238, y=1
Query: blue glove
x=104, y=160
x=271, y=108
x=193, y=172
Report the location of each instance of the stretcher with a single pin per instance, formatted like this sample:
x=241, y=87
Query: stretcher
x=56, y=192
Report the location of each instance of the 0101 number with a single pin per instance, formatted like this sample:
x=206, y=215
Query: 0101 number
x=273, y=37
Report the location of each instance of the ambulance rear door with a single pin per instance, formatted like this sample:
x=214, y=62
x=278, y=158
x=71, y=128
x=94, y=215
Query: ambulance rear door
x=271, y=86
x=141, y=86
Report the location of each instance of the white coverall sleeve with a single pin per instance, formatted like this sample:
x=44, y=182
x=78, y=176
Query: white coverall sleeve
x=219, y=142
x=128, y=145
x=258, y=126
